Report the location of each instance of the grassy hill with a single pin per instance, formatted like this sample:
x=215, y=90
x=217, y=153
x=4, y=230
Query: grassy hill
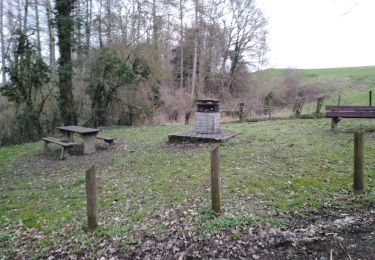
x=352, y=84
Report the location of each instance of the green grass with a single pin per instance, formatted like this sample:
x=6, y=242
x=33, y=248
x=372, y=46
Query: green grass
x=146, y=185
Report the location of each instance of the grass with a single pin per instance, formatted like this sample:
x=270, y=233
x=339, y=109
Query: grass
x=146, y=185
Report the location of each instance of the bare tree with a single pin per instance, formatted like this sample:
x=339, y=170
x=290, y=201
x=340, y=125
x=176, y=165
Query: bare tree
x=26, y=11
x=88, y=24
x=2, y=43
x=194, y=91
x=181, y=44
x=246, y=31
x=51, y=40
x=37, y=27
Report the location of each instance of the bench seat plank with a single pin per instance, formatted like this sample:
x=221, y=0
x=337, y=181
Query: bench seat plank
x=57, y=141
x=350, y=108
x=105, y=138
x=350, y=114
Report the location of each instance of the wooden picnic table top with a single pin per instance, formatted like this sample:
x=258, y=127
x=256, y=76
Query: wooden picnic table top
x=78, y=129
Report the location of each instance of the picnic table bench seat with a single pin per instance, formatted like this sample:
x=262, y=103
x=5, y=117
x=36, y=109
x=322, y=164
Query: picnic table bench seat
x=107, y=139
x=63, y=145
x=339, y=112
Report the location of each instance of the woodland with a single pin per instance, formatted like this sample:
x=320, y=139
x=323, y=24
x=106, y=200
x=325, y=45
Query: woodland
x=110, y=62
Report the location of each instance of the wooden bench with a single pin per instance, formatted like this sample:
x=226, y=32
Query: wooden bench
x=108, y=140
x=339, y=112
x=63, y=145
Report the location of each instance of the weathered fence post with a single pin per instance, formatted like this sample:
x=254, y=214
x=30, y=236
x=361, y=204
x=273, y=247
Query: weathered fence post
x=358, y=161
x=242, y=115
x=91, y=198
x=319, y=105
x=268, y=101
x=370, y=98
x=215, y=180
x=339, y=101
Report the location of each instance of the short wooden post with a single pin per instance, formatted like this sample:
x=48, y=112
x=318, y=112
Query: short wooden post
x=91, y=198
x=319, y=105
x=241, y=112
x=215, y=180
x=358, y=161
x=339, y=101
x=370, y=98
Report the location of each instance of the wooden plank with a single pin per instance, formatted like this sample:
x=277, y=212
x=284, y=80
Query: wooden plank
x=57, y=141
x=78, y=129
x=358, y=114
x=105, y=138
x=192, y=136
x=350, y=108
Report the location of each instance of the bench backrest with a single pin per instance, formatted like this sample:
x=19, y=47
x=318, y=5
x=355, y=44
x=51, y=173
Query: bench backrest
x=350, y=108
x=351, y=111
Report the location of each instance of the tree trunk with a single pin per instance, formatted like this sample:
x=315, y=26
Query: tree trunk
x=65, y=26
x=234, y=67
x=100, y=25
x=2, y=43
x=138, y=31
x=26, y=8
x=37, y=27
x=19, y=15
x=88, y=24
x=78, y=30
x=52, y=40
x=155, y=28
x=109, y=22
x=194, y=73
x=182, y=45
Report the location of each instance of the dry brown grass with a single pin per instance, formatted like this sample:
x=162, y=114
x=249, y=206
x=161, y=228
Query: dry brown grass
x=7, y=124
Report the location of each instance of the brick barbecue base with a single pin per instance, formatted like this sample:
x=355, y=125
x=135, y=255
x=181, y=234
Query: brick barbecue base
x=192, y=136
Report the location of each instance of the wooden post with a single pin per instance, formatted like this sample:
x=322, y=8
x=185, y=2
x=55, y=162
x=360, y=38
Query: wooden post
x=241, y=112
x=370, y=98
x=319, y=105
x=215, y=180
x=358, y=161
x=339, y=101
x=91, y=198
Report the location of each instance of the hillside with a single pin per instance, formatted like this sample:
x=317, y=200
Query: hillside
x=352, y=84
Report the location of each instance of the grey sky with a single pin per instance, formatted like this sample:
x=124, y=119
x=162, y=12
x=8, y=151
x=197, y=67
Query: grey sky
x=320, y=33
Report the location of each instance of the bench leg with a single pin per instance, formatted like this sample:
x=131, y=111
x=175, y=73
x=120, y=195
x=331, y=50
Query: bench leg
x=46, y=149
x=110, y=143
x=334, y=123
x=62, y=153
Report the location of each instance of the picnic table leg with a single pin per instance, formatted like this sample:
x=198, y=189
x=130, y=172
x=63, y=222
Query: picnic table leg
x=89, y=145
x=45, y=148
x=62, y=153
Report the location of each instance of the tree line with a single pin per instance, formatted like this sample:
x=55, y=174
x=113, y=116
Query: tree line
x=100, y=62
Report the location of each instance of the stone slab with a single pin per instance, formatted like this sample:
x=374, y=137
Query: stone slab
x=192, y=136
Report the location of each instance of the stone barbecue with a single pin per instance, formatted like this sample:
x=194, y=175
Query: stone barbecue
x=207, y=116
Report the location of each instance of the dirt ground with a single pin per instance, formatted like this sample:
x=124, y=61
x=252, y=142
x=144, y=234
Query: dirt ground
x=327, y=234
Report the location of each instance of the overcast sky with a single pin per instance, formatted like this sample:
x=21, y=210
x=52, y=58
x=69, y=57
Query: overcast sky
x=320, y=33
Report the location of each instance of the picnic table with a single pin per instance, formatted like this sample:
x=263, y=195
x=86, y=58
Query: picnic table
x=88, y=134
